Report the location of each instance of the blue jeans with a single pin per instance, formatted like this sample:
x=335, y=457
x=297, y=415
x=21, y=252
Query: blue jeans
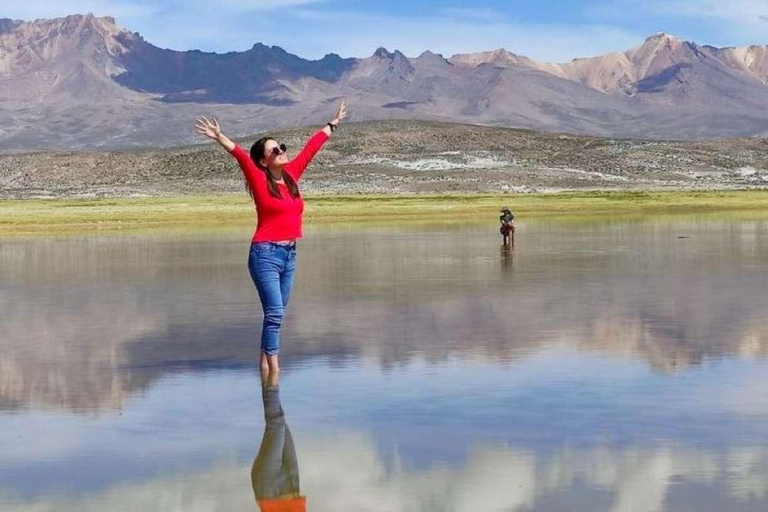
x=272, y=267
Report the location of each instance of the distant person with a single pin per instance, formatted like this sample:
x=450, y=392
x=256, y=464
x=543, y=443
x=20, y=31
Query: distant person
x=272, y=181
x=275, y=471
x=507, y=230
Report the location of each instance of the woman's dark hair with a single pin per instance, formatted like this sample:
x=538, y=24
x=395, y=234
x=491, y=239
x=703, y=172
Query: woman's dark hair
x=257, y=153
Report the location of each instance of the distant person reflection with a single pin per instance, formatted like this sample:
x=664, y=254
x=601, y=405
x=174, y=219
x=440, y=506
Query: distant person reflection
x=507, y=259
x=275, y=472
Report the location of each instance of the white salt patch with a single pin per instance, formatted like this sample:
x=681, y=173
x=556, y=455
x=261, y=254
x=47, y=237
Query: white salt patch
x=439, y=164
x=427, y=164
x=746, y=171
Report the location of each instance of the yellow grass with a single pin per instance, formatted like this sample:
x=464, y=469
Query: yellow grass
x=77, y=216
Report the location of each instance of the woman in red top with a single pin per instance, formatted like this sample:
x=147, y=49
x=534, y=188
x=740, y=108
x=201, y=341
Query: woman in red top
x=272, y=180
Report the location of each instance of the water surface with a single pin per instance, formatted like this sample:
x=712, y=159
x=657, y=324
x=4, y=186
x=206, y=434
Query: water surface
x=607, y=365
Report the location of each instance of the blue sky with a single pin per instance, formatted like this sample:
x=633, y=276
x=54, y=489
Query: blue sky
x=544, y=30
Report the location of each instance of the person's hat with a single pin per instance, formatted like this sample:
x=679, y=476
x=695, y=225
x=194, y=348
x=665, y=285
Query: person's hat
x=505, y=209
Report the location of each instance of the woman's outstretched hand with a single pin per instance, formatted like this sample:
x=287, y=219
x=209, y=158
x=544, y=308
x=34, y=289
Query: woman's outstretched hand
x=212, y=130
x=340, y=115
x=342, y=112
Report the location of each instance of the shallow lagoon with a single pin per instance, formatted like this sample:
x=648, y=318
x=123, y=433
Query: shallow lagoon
x=612, y=364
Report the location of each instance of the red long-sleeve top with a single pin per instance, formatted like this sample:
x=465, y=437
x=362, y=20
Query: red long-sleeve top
x=278, y=219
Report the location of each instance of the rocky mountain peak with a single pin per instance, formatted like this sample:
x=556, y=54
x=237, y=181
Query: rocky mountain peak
x=752, y=59
x=660, y=42
x=63, y=57
x=57, y=31
x=395, y=61
x=663, y=37
x=104, y=26
x=432, y=58
x=382, y=53
x=7, y=25
x=500, y=53
x=659, y=52
x=499, y=56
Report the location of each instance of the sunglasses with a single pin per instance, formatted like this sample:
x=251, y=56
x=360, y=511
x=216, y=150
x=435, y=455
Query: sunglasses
x=279, y=150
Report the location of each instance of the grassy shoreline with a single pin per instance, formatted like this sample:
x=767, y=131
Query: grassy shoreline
x=43, y=217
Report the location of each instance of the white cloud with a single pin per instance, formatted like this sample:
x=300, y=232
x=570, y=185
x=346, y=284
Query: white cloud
x=738, y=11
x=733, y=20
x=743, y=11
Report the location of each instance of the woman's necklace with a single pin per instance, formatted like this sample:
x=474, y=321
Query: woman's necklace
x=277, y=180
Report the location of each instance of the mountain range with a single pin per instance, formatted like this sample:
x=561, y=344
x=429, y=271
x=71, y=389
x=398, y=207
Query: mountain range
x=83, y=82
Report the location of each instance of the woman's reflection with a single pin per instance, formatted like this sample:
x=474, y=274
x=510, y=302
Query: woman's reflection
x=275, y=472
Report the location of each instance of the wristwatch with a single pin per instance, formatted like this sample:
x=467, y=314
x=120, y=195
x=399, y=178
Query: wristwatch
x=333, y=127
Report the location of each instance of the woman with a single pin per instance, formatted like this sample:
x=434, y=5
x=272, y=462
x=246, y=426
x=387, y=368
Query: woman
x=272, y=180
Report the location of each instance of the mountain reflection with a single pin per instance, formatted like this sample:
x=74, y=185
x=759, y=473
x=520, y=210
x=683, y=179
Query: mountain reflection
x=89, y=322
x=346, y=472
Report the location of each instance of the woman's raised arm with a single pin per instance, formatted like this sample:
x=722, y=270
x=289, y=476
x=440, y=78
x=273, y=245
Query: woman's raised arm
x=298, y=165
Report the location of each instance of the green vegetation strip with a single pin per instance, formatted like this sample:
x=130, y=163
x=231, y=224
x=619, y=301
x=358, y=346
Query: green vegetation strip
x=71, y=216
